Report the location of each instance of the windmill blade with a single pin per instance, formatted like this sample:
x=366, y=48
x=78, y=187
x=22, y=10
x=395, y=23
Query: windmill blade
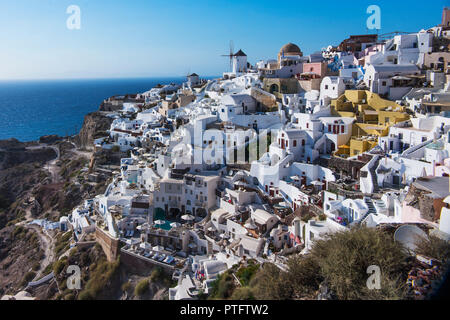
x=231, y=54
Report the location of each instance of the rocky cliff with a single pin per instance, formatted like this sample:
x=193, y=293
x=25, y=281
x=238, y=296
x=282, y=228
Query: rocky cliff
x=14, y=152
x=95, y=126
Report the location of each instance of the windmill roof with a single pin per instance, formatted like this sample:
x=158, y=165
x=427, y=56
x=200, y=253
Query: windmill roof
x=240, y=53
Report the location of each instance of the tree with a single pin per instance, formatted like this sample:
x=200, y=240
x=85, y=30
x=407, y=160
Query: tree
x=270, y=284
x=343, y=259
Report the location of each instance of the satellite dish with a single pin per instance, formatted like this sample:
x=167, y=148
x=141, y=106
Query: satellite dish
x=408, y=236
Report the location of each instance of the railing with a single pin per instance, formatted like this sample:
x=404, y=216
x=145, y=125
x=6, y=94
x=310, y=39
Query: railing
x=41, y=281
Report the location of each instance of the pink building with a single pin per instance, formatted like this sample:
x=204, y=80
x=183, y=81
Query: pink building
x=319, y=68
x=369, y=52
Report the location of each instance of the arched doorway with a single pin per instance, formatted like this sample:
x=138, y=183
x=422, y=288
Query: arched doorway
x=201, y=212
x=274, y=88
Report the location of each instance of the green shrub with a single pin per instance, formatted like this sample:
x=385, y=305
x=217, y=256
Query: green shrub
x=69, y=296
x=100, y=278
x=58, y=266
x=142, y=287
x=344, y=257
x=223, y=286
x=28, y=277
x=126, y=286
x=243, y=293
x=86, y=295
x=434, y=247
x=245, y=274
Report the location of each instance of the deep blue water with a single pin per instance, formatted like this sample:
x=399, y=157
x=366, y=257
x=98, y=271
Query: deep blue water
x=31, y=109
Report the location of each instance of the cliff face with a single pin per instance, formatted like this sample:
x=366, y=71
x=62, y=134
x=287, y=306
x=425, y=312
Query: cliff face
x=14, y=152
x=95, y=126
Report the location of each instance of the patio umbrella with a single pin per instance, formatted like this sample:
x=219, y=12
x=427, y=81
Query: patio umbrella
x=188, y=217
x=143, y=226
x=250, y=224
x=175, y=225
x=159, y=222
x=131, y=241
x=145, y=245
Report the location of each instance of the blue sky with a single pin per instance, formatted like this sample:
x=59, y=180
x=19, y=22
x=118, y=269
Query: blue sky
x=152, y=38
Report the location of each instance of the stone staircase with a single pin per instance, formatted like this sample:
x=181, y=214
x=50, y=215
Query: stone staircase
x=371, y=207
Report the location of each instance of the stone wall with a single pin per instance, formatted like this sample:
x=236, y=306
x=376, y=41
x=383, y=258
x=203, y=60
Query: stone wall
x=349, y=168
x=109, y=244
x=265, y=99
x=142, y=265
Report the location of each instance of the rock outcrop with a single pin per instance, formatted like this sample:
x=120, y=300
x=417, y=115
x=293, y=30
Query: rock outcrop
x=14, y=152
x=95, y=126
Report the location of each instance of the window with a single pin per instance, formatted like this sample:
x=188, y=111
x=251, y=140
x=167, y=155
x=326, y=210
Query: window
x=326, y=87
x=295, y=143
x=384, y=83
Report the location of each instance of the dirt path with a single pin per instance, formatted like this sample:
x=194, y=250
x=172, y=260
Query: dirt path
x=86, y=154
x=45, y=240
x=47, y=244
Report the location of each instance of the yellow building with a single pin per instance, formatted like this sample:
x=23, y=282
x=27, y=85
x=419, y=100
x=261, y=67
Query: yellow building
x=373, y=115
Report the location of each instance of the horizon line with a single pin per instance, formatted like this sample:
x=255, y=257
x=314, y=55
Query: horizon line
x=103, y=78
